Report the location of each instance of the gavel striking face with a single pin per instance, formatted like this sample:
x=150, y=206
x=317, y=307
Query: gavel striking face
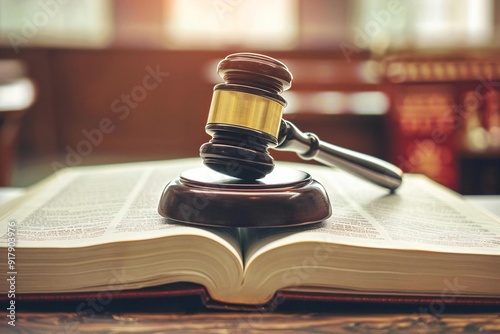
x=245, y=119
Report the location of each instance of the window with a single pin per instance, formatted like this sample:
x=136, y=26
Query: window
x=423, y=24
x=55, y=23
x=202, y=24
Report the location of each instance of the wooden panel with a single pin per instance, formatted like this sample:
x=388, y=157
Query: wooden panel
x=83, y=115
x=152, y=104
x=255, y=322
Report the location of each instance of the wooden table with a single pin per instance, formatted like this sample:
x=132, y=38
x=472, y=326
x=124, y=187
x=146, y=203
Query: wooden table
x=188, y=314
x=238, y=322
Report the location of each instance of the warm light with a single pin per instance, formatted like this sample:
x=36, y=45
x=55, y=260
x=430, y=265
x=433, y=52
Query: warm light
x=333, y=102
x=17, y=95
x=269, y=24
x=451, y=22
x=374, y=103
x=26, y=23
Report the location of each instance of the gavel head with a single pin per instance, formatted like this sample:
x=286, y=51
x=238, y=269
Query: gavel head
x=245, y=115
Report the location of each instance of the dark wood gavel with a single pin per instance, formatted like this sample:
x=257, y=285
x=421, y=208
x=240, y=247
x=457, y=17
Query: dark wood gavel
x=245, y=119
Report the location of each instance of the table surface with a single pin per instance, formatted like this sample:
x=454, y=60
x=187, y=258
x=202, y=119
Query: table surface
x=237, y=322
x=186, y=315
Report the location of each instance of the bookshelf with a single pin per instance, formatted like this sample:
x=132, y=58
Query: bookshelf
x=444, y=117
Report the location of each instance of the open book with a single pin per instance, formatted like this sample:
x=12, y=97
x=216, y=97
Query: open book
x=76, y=230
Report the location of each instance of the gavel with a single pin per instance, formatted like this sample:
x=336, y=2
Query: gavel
x=245, y=119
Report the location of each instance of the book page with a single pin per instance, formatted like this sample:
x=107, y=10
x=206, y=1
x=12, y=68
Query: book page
x=421, y=215
x=86, y=206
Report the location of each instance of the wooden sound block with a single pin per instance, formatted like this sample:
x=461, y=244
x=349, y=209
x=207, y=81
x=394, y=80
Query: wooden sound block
x=285, y=197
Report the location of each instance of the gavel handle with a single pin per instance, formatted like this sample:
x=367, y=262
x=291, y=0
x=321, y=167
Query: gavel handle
x=308, y=146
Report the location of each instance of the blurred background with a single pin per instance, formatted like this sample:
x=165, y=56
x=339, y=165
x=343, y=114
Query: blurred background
x=102, y=81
